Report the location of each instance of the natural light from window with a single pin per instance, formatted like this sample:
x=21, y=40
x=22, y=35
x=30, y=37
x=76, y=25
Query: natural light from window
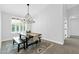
x=18, y=26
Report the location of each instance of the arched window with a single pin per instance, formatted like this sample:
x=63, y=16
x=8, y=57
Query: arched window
x=18, y=26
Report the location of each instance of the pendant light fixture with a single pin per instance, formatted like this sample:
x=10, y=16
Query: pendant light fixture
x=28, y=17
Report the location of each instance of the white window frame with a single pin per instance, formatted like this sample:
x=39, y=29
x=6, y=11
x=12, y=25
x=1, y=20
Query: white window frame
x=20, y=29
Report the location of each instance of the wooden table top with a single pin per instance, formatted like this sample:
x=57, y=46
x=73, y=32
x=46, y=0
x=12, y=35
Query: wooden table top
x=31, y=34
x=34, y=34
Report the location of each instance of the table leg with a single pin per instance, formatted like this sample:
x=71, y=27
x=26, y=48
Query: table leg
x=39, y=39
x=18, y=47
x=24, y=45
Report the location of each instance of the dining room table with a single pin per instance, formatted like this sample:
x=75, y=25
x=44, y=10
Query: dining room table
x=35, y=37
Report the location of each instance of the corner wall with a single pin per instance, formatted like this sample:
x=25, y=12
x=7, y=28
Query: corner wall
x=6, y=27
x=50, y=23
x=0, y=29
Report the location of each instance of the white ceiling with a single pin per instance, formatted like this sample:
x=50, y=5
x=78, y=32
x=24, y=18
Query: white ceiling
x=69, y=6
x=21, y=9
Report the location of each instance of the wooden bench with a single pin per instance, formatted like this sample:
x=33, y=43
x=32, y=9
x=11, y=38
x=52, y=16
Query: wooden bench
x=19, y=42
x=25, y=41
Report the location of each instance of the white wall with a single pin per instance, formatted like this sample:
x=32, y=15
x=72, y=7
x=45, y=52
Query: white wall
x=6, y=26
x=0, y=29
x=50, y=23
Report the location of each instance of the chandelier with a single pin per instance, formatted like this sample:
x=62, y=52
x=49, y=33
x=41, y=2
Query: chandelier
x=28, y=17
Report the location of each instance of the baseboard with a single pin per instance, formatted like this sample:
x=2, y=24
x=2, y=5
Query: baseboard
x=61, y=43
x=44, y=39
x=0, y=43
x=6, y=39
x=74, y=36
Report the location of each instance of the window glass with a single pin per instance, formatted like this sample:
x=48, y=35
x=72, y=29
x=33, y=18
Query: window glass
x=18, y=26
x=13, y=27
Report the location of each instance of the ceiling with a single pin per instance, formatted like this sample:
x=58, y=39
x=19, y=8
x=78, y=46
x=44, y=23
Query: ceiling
x=21, y=9
x=69, y=6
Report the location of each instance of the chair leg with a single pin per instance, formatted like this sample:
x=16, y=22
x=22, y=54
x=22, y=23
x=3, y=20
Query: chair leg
x=13, y=42
x=39, y=39
x=24, y=45
x=36, y=43
x=18, y=47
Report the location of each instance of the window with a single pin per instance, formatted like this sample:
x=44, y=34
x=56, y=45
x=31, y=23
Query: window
x=17, y=26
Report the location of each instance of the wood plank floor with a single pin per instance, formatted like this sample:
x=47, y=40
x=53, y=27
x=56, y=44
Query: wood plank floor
x=8, y=48
x=71, y=46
